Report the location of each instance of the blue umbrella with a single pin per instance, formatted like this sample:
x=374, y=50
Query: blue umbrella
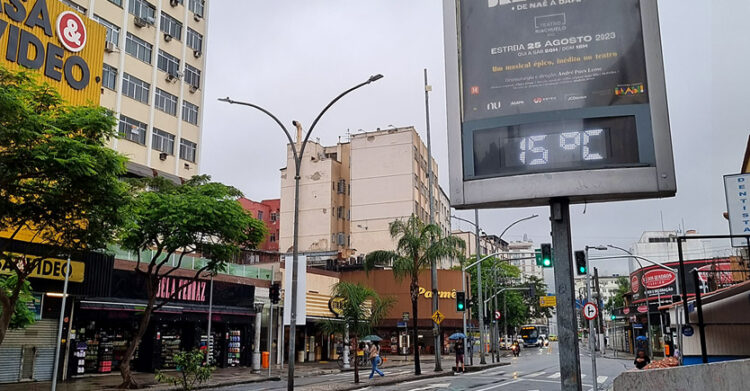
x=641, y=338
x=456, y=336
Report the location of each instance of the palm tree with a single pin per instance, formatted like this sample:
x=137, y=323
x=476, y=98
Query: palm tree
x=362, y=309
x=418, y=244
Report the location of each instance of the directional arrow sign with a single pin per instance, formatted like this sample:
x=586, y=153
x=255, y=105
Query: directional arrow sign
x=497, y=315
x=590, y=311
x=438, y=317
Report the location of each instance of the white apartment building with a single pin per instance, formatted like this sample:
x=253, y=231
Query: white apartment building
x=521, y=254
x=661, y=246
x=351, y=192
x=152, y=79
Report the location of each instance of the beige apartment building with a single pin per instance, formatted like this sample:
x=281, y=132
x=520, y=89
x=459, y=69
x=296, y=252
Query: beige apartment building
x=351, y=192
x=152, y=79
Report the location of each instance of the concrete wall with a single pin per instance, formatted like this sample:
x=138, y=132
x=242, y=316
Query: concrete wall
x=729, y=375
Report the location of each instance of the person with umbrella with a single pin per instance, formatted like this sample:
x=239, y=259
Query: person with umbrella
x=374, y=354
x=459, y=346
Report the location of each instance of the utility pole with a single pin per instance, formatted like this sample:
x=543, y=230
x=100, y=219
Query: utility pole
x=570, y=366
x=482, y=360
x=601, y=316
x=433, y=266
x=592, y=327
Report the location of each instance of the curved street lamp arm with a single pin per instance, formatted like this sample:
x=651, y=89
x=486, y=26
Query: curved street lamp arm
x=288, y=136
x=328, y=106
x=516, y=222
x=464, y=220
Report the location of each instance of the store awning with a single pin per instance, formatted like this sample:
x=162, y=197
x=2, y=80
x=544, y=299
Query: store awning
x=177, y=308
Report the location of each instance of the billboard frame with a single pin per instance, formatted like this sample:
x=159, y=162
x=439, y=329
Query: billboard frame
x=578, y=186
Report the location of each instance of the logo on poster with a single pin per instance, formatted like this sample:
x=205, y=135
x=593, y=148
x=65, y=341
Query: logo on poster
x=634, y=284
x=654, y=279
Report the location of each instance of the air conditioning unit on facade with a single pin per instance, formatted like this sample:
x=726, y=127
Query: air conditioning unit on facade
x=193, y=88
x=140, y=22
x=197, y=17
x=109, y=47
x=167, y=37
x=171, y=76
x=197, y=53
x=174, y=3
x=163, y=156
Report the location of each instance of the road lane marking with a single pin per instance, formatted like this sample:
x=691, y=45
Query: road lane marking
x=535, y=374
x=601, y=379
x=554, y=375
x=583, y=375
x=499, y=385
x=431, y=386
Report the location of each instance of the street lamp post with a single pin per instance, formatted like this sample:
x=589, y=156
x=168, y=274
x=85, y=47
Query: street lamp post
x=592, y=327
x=295, y=246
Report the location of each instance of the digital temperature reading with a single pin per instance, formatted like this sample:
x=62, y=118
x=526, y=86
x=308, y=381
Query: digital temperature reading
x=565, y=145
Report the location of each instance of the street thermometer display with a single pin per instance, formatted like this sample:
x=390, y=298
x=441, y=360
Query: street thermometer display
x=560, y=99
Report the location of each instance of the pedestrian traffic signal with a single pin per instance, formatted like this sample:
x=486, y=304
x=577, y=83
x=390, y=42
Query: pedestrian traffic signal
x=546, y=255
x=460, y=301
x=274, y=293
x=470, y=303
x=580, y=262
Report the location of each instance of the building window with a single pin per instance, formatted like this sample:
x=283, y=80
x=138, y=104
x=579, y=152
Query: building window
x=260, y=215
x=132, y=130
x=113, y=32
x=194, y=40
x=142, y=9
x=75, y=6
x=272, y=238
x=340, y=212
x=273, y=217
x=341, y=239
x=116, y=2
x=135, y=88
x=196, y=6
x=165, y=102
x=171, y=26
x=187, y=150
x=109, y=77
x=192, y=76
x=167, y=63
x=138, y=48
x=162, y=141
x=189, y=112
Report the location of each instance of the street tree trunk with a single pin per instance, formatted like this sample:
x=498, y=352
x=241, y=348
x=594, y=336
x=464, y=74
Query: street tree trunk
x=414, y=290
x=127, y=375
x=356, y=360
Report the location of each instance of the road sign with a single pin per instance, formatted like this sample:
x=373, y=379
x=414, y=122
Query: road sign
x=405, y=316
x=687, y=330
x=498, y=315
x=401, y=324
x=438, y=317
x=547, y=301
x=590, y=311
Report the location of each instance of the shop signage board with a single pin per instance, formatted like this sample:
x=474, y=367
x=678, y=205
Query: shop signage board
x=438, y=317
x=736, y=188
x=65, y=48
x=590, y=311
x=301, y=290
x=553, y=99
x=47, y=268
x=336, y=305
x=547, y=301
x=652, y=281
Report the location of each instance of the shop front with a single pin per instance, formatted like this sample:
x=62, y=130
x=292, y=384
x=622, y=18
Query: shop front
x=397, y=327
x=104, y=324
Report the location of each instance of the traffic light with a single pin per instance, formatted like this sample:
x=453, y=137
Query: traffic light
x=612, y=317
x=460, y=301
x=470, y=303
x=580, y=262
x=274, y=293
x=546, y=255
x=532, y=291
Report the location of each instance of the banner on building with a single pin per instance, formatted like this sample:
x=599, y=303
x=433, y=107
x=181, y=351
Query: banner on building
x=738, y=207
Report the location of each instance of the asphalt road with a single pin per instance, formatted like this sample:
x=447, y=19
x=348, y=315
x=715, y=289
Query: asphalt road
x=536, y=369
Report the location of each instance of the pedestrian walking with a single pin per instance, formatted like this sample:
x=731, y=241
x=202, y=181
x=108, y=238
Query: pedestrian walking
x=460, y=356
x=641, y=359
x=375, y=359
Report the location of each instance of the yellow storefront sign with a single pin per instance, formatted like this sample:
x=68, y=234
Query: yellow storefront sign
x=441, y=294
x=47, y=268
x=64, y=48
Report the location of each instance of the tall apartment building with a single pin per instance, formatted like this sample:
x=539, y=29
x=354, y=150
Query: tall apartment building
x=521, y=254
x=352, y=191
x=152, y=79
x=661, y=246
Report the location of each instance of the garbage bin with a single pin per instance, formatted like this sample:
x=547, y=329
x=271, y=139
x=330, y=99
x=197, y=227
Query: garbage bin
x=264, y=359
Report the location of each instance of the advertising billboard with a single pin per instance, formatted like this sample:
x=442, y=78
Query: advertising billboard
x=653, y=281
x=50, y=39
x=553, y=99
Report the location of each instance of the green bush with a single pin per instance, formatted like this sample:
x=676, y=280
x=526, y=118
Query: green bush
x=190, y=368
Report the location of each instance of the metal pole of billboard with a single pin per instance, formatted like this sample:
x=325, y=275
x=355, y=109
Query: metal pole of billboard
x=433, y=266
x=270, y=336
x=209, y=345
x=463, y=314
x=482, y=360
x=298, y=150
x=592, y=328
x=60, y=326
x=570, y=366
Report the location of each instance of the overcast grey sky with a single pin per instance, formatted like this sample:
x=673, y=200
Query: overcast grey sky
x=293, y=57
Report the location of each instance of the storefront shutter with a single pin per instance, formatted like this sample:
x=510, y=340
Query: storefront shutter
x=10, y=364
x=38, y=338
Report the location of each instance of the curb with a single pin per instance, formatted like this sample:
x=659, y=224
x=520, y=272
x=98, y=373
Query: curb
x=220, y=384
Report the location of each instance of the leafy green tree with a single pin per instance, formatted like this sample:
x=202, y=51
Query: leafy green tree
x=198, y=216
x=418, y=245
x=22, y=316
x=618, y=299
x=362, y=310
x=59, y=183
x=535, y=310
x=191, y=372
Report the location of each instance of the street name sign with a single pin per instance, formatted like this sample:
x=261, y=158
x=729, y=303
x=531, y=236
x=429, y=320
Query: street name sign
x=590, y=311
x=547, y=301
